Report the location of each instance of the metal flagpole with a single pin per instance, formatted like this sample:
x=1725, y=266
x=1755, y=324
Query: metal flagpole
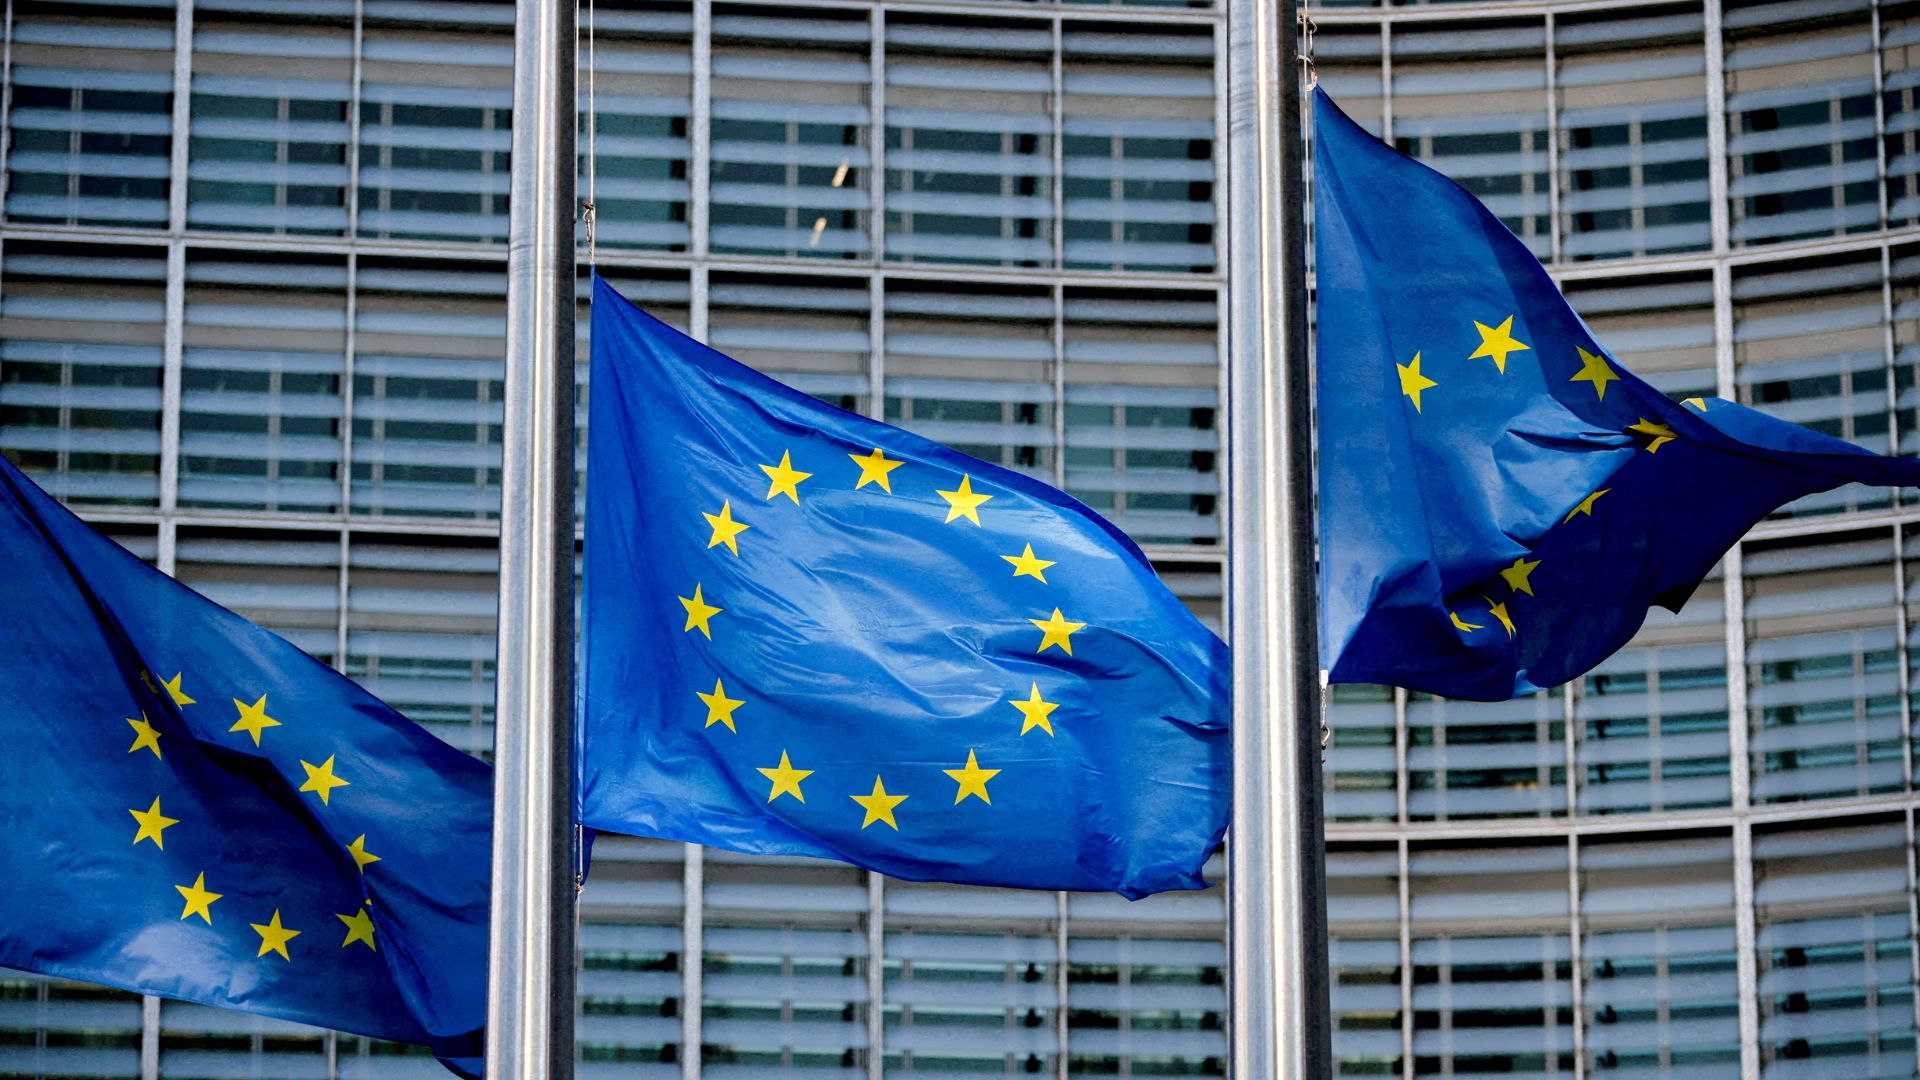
x=530, y=998
x=1276, y=871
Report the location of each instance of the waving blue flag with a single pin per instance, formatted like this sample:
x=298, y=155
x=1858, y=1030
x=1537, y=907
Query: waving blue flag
x=1500, y=500
x=810, y=633
x=195, y=808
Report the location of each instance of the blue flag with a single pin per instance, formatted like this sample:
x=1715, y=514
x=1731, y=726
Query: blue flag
x=810, y=633
x=1500, y=500
x=197, y=809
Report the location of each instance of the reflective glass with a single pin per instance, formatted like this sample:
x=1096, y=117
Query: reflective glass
x=287, y=582
x=54, y=1028
x=974, y=369
x=1363, y=913
x=199, y=1042
x=631, y=962
x=1661, y=327
x=813, y=334
x=1469, y=759
x=1900, y=104
x=1361, y=760
x=972, y=981
x=643, y=98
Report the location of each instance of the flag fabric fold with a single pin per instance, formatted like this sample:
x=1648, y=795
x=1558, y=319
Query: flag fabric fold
x=197, y=809
x=1501, y=500
x=811, y=633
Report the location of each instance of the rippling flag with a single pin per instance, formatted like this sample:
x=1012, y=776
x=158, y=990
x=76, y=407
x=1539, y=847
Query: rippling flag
x=195, y=808
x=810, y=633
x=1501, y=500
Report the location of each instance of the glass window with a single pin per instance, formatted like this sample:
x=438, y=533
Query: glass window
x=286, y=582
x=1137, y=144
x=631, y=960
x=262, y=367
x=1658, y=959
x=974, y=370
x=420, y=630
x=201, y=1041
x=1361, y=771
x=1900, y=98
x=791, y=123
x=643, y=74
x=1823, y=677
x=813, y=334
x=82, y=333
x=1482, y=121
x=1810, y=344
x=1198, y=585
x=967, y=998
x=1835, y=950
x=56, y=1028
x=1142, y=411
x=268, y=145
x=1363, y=909
x=1492, y=965
x=1801, y=153
x=1633, y=132
x=1904, y=264
x=91, y=119
x=969, y=142
x=1468, y=759
x=1661, y=328
x=436, y=127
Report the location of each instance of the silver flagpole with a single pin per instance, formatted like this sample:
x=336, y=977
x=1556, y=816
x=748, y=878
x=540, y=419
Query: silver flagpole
x=1276, y=873
x=530, y=998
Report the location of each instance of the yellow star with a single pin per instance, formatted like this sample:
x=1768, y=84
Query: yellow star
x=1412, y=382
x=879, y=805
x=359, y=928
x=698, y=612
x=199, y=900
x=321, y=781
x=874, y=468
x=361, y=856
x=1499, y=611
x=725, y=529
x=719, y=706
x=253, y=718
x=963, y=503
x=1026, y=565
x=1461, y=624
x=1057, y=631
x=785, y=478
x=786, y=779
x=173, y=688
x=152, y=824
x=144, y=735
x=1594, y=369
x=274, y=937
x=1497, y=342
x=1662, y=434
x=1036, y=712
x=972, y=779
x=1698, y=403
x=1516, y=575
x=1585, y=506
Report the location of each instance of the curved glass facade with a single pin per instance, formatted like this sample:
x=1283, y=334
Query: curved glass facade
x=251, y=277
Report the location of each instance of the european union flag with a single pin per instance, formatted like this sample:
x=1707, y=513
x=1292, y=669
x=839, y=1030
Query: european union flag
x=810, y=633
x=197, y=809
x=1500, y=500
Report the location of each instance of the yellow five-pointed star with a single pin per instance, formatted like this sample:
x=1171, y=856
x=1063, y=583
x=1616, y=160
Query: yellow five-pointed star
x=144, y=735
x=1499, y=611
x=698, y=612
x=1594, y=369
x=972, y=779
x=1662, y=434
x=725, y=529
x=1461, y=624
x=719, y=706
x=874, y=468
x=199, y=900
x=785, y=479
x=1584, y=506
x=274, y=937
x=1497, y=342
x=321, y=781
x=152, y=824
x=1057, y=631
x=786, y=779
x=1412, y=382
x=253, y=718
x=361, y=856
x=963, y=503
x=1698, y=403
x=1516, y=575
x=1026, y=565
x=1036, y=711
x=359, y=928
x=879, y=805
x=173, y=689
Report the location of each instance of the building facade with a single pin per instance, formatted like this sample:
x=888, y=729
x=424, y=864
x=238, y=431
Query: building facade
x=251, y=277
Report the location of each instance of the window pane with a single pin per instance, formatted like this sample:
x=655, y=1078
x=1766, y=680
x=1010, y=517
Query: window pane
x=57, y=1028
x=286, y=582
x=643, y=97
x=1363, y=909
x=971, y=981
x=631, y=960
x=813, y=334
x=199, y=1041
x=974, y=370
x=1661, y=328
x=1486, y=759
x=1360, y=770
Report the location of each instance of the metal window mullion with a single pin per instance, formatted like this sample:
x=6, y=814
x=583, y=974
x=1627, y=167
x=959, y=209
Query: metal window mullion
x=1218, y=156
x=877, y=347
x=1879, y=119
x=1553, y=147
x=692, y=947
x=348, y=346
x=1746, y=962
x=149, y=1037
x=1913, y=927
x=1402, y=785
x=1060, y=986
x=1059, y=388
x=1406, y=954
x=1718, y=209
x=170, y=396
x=1575, y=975
x=700, y=132
x=1386, y=82
x=182, y=117
x=876, y=975
x=6, y=107
x=1058, y=106
x=877, y=139
x=1568, y=713
x=354, y=95
x=340, y=600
